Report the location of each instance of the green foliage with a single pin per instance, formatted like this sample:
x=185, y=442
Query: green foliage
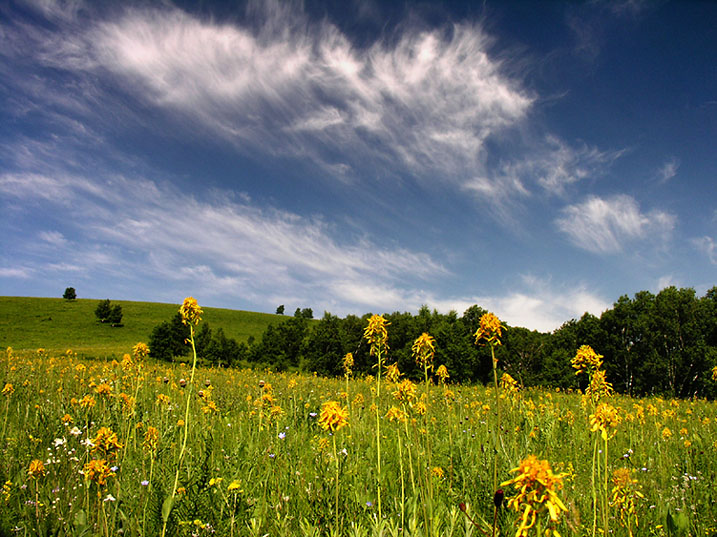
x=103, y=310
x=70, y=294
x=168, y=339
x=280, y=310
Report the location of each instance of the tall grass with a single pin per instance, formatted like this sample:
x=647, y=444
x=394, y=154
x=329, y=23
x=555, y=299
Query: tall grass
x=240, y=476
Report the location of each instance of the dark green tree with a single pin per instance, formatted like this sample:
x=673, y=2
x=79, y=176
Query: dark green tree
x=70, y=294
x=280, y=310
x=103, y=310
x=115, y=316
x=167, y=339
x=324, y=349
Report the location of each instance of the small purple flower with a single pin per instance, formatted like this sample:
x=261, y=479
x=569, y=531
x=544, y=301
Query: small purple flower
x=282, y=435
x=145, y=483
x=313, y=414
x=369, y=504
x=272, y=455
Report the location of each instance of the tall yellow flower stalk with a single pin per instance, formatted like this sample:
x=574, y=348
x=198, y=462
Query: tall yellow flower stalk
x=624, y=497
x=377, y=337
x=603, y=419
x=489, y=333
x=191, y=315
x=536, y=493
x=334, y=417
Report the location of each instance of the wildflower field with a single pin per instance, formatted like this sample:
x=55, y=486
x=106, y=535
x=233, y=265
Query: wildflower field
x=134, y=447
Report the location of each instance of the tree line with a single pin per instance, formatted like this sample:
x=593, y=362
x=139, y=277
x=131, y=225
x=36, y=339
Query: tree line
x=651, y=344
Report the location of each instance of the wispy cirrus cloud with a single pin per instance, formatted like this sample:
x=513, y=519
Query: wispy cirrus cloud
x=419, y=101
x=606, y=225
x=219, y=245
x=708, y=246
x=668, y=170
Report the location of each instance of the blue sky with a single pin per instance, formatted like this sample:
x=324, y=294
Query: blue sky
x=539, y=159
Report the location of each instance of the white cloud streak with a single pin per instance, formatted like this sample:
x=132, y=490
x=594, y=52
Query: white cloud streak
x=668, y=170
x=605, y=225
x=227, y=248
x=422, y=101
x=707, y=246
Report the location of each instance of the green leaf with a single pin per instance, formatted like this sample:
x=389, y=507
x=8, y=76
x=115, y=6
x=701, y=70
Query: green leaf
x=80, y=520
x=167, y=507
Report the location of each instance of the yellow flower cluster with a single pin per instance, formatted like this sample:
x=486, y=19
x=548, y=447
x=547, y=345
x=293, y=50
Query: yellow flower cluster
x=8, y=390
x=392, y=373
x=395, y=414
x=106, y=441
x=625, y=495
x=442, y=373
x=490, y=329
x=348, y=363
x=586, y=359
x=151, y=439
x=606, y=417
x=599, y=386
x=508, y=383
x=190, y=311
x=98, y=471
x=333, y=416
x=537, y=487
x=36, y=469
x=140, y=351
x=424, y=349
x=376, y=334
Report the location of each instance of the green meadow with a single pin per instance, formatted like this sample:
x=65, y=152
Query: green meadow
x=57, y=324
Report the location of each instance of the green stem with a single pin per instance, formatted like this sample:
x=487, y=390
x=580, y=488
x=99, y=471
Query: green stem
x=378, y=430
x=186, y=425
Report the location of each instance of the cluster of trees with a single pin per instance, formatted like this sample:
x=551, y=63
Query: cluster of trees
x=169, y=340
x=664, y=343
x=107, y=313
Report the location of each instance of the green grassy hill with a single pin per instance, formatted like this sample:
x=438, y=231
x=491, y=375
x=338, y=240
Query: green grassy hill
x=57, y=324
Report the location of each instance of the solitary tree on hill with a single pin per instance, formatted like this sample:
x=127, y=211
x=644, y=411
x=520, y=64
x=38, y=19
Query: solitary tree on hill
x=70, y=294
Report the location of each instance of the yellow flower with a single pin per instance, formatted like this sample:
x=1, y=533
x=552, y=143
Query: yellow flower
x=36, y=469
x=395, y=414
x=536, y=486
x=599, y=386
x=97, y=470
x=66, y=419
x=190, y=311
x=8, y=390
x=714, y=373
x=104, y=389
x=606, y=417
x=392, y=373
x=140, y=351
x=376, y=334
x=437, y=472
x=405, y=391
x=162, y=399
x=586, y=359
x=87, y=401
x=322, y=444
x=666, y=433
x=625, y=494
x=348, y=363
x=151, y=439
x=423, y=350
x=333, y=416
x=508, y=383
x=490, y=329
x=442, y=373
x=106, y=441
x=235, y=487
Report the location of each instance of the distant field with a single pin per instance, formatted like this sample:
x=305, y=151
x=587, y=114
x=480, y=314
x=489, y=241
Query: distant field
x=57, y=324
